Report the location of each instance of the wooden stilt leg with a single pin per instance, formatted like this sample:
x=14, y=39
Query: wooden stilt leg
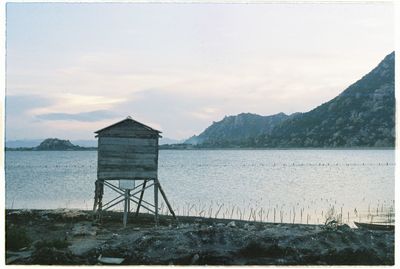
x=96, y=196
x=166, y=201
x=100, y=199
x=141, y=198
x=156, y=201
x=125, y=220
x=129, y=201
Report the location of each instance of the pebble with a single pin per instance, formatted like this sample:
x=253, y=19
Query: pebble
x=83, y=230
x=195, y=258
x=231, y=224
x=183, y=225
x=249, y=227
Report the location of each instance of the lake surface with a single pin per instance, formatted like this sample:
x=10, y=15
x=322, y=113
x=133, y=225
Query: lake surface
x=281, y=185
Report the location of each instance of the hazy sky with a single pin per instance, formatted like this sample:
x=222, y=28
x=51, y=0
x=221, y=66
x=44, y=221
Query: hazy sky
x=75, y=68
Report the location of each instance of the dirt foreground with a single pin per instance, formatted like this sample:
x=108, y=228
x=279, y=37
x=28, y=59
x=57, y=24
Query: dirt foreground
x=71, y=237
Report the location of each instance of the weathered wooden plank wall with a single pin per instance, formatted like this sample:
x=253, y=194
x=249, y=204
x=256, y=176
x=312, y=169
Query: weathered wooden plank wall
x=128, y=141
x=127, y=175
x=125, y=155
x=128, y=148
x=127, y=162
x=127, y=158
x=128, y=130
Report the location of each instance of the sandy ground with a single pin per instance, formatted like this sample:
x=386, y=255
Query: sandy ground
x=67, y=237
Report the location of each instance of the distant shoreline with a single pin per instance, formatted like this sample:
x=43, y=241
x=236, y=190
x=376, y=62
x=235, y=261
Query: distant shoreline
x=33, y=149
x=233, y=148
x=298, y=148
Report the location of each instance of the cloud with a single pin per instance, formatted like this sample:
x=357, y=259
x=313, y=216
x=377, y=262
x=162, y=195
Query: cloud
x=77, y=103
x=206, y=113
x=91, y=116
x=59, y=115
x=20, y=104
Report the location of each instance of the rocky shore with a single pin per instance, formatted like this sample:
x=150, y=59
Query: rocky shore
x=71, y=237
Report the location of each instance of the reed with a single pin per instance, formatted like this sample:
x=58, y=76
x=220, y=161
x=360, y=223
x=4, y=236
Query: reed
x=251, y=212
x=341, y=215
x=254, y=215
x=260, y=214
x=301, y=212
x=233, y=210
x=219, y=209
x=301, y=215
x=294, y=215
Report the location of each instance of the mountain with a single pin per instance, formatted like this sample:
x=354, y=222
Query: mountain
x=363, y=115
x=237, y=130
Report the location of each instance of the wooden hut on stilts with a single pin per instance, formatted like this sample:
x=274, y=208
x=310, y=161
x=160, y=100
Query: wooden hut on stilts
x=127, y=164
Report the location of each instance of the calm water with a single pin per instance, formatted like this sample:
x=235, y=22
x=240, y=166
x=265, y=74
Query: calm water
x=222, y=183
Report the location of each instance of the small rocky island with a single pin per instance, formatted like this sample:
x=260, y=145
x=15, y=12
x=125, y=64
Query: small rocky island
x=51, y=144
x=56, y=144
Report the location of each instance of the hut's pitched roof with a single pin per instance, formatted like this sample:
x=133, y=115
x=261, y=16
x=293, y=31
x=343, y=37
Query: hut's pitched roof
x=128, y=119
